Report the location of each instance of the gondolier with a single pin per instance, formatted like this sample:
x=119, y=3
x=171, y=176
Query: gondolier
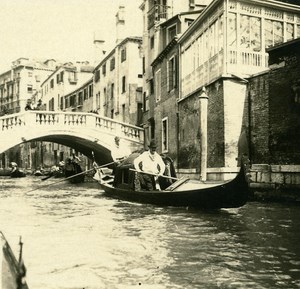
x=149, y=162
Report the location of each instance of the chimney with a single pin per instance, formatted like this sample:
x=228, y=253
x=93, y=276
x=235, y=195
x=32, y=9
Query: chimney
x=120, y=24
x=98, y=47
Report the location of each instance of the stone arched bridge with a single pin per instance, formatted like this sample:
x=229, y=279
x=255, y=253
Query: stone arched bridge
x=86, y=132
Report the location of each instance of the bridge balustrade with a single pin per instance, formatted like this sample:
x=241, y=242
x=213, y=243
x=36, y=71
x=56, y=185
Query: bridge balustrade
x=69, y=120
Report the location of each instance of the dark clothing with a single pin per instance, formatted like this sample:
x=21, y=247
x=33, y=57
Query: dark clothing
x=147, y=182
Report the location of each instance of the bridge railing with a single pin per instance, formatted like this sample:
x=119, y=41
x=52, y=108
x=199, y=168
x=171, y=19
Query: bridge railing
x=72, y=120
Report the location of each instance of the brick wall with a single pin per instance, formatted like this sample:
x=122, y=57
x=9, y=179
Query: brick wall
x=258, y=133
x=189, y=133
x=285, y=112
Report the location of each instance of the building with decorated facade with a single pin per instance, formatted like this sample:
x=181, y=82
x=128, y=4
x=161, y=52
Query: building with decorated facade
x=222, y=49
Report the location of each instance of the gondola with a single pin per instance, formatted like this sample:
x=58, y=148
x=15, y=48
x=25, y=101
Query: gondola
x=17, y=174
x=15, y=171
x=181, y=193
x=72, y=168
x=13, y=271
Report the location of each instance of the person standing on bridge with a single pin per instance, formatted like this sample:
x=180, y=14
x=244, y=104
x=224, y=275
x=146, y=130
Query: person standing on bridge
x=29, y=105
x=39, y=105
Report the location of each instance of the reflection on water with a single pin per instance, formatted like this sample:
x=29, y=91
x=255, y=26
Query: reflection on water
x=74, y=237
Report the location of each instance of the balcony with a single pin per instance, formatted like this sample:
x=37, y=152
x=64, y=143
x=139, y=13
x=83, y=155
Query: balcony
x=156, y=14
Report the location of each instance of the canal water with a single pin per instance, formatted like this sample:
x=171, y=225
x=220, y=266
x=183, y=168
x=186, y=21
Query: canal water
x=75, y=237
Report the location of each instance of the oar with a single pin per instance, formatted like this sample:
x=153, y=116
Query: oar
x=155, y=175
x=47, y=177
x=54, y=183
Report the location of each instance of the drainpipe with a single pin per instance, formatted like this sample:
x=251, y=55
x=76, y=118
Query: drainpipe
x=203, y=102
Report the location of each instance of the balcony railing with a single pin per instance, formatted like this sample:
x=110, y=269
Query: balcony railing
x=157, y=13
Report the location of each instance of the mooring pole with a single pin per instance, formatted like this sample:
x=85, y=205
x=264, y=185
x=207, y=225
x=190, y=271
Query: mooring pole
x=203, y=102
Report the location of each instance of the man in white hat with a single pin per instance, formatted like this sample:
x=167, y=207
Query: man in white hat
x=149, y=163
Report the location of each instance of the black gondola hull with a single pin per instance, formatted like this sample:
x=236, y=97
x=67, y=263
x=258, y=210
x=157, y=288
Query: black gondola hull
x=231, y=194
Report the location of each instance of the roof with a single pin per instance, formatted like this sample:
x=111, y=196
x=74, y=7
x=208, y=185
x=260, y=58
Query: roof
x=167, y=49
x=166, y=23
x=127, y=39
x=294, y=42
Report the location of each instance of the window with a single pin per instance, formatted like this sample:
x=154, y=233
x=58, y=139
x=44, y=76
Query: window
x=112, y=90
x=29, y=74
x=112, y=112
x=151, y=86
x=232, y=29
x=123, y=84
x=73, y=101
x=172, y=31
x=139, y=113
x=112, y=64
x=29, y=88
x=57, y=78
x=61, y=76
x=123, y=112
x=66, y=102
x=90, y=90
x=123, y=54
x=61, y=103
x=72, y=77
x=144, y=65
x=152, y=42
x=158, y=85
x=250, y=35
x=145, y=101
x=51, y=83
x=97, y=75
x=98, y=99
x=273, y=33
x=172, y=72
x=289, y=31
x=85, y=94
x=105, y=96
x=51, y=104
x=151, y=122
x=165, y=141
x=80, y=98
x=104, y=69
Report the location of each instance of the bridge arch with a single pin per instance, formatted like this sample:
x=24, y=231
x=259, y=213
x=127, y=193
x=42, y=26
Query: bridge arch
x=85, y=132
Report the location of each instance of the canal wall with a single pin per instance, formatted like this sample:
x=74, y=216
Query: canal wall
x=275, y=182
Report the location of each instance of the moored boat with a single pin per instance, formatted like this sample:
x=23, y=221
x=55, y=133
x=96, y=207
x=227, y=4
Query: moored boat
x=180, y=192
x=13, y=271
x=16, y=172
x=72, y=168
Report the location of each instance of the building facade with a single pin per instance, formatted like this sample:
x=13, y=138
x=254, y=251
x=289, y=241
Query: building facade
x=64, y=80
x=118, y=81
x=221, y=49
x=162, y=109
x=80, y=99
x=155, y=38
x=21, y=84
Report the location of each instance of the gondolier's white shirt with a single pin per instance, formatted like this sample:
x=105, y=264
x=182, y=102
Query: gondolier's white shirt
x=119, y=153
x=150, y=163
